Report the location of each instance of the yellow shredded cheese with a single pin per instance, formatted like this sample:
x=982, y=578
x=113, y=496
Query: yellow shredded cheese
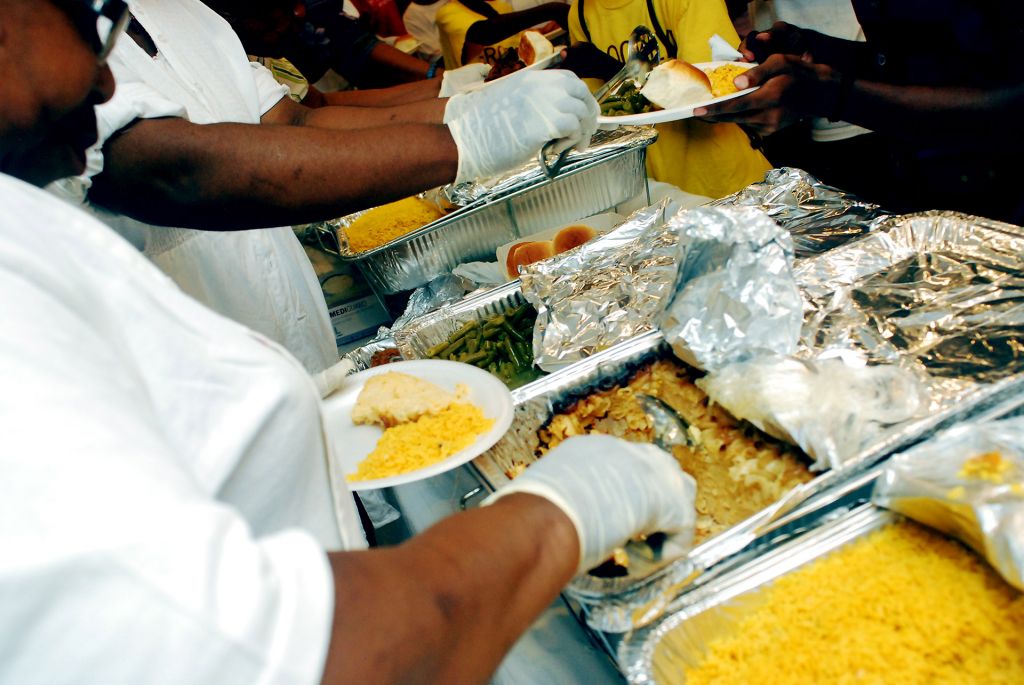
x=428, y=440
x=903, y=605
x=722, y=79
x=388, y=222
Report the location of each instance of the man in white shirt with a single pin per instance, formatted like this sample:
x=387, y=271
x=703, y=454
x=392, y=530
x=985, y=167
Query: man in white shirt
x=168, y=502
x=179, y=148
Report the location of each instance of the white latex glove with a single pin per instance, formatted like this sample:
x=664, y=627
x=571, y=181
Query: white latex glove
x=507, y=123
x=331, y=378
x=460, y=80
x=612, y=490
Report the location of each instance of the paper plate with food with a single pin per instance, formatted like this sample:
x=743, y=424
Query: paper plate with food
x=407, y=421
x=673, y=90
x=534, y=52
x=555, y=241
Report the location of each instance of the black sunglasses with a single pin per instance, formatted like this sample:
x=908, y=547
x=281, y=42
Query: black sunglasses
x=86, y=13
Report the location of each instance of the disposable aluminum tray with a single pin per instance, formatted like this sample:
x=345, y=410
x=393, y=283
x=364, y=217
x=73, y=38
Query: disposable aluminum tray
x=616, y=605
x=424, y=332
x=970, y=354
x=684, y=634
x=474, y=233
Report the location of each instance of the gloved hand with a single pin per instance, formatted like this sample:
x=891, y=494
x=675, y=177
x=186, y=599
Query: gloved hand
x=331, y=378
x=507, y=123
x=612, y=490
x=459, y=80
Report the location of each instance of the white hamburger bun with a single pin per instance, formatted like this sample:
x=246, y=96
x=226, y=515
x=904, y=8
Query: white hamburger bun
x=533, y=47
x=676, y=83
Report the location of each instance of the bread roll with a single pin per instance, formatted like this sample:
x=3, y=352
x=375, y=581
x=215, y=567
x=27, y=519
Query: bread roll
x=527, y=253
x=533, y=47
x=676, y=83
x=572, y=236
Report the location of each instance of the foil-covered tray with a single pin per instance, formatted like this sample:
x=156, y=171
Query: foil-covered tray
x=939, y=294
x=818, y=216
x=685, y=632
x=610, y=172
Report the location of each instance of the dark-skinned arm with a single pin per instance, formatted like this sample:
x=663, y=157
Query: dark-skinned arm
x=404, y=94
x=287, y=112
x=458, y=596
x=792, y=88
x=237, y=176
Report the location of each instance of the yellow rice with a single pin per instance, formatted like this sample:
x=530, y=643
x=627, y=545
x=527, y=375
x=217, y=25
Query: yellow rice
x=722, y=77
x=902, y=605
x=428, y=440
x=388, y=222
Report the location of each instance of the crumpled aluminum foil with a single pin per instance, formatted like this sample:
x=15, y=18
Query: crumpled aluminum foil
x=937, y=297
x=603, y=143
x=735, y=296
x=942, y=484
x=818, y=216
x=603, y=292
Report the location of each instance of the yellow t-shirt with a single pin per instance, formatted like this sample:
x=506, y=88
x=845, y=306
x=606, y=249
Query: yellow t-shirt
x=454, y=20
x=706, y=159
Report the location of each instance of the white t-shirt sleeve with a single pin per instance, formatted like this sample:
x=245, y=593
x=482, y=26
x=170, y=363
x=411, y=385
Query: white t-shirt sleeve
x=117, y=568
x=268, y=89
x=131, y=101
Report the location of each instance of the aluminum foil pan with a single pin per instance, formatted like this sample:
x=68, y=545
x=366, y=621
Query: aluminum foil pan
x=967, y=482
x=603, y=144
x=939, y=294
x=426, y=331
x=818, y=216
x=362, y=357
x=473, y=233
x=684, y=634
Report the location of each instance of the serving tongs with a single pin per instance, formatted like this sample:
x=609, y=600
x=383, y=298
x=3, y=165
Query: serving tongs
x=642, y=56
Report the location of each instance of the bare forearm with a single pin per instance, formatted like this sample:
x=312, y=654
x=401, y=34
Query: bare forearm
x=917, y=112
x=457, y=597
x=237, y=176
x=386, y=97
x=349, y=117
x=411, y=68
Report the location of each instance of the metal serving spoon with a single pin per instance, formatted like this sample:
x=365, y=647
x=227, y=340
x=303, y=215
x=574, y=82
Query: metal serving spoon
x=670, y=429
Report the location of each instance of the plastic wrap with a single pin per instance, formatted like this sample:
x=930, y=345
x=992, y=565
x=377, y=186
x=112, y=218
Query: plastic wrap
x=735, y=296
x=796, y=401
x=967, y=482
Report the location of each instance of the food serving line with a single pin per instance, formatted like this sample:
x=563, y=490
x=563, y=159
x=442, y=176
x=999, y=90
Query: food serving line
x=927, y=304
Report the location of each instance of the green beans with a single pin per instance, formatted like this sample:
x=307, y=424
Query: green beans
x=627, y=101
x=500, y=344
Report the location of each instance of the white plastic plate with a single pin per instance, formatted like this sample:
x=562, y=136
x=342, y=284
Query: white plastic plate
x=352, y=443
x=678, y=113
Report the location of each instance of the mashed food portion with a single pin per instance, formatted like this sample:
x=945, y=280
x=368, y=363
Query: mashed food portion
x=739, y=471
x=902, y=605
x=427, y=440
x=393, y=398
x=386, y=223
x=722, y=79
